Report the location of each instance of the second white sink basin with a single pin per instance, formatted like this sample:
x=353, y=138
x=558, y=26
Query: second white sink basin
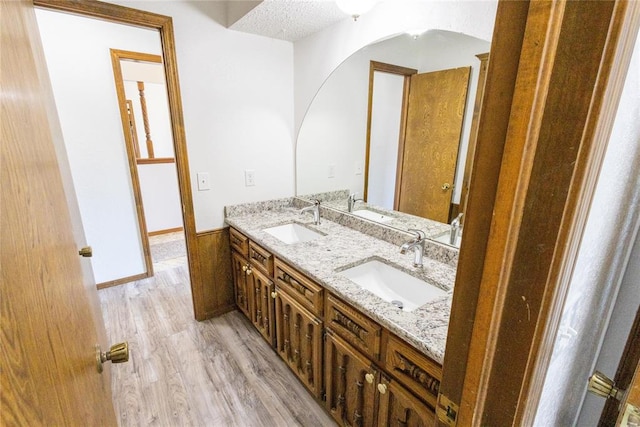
x=373, y=216
x=393, y=285
x=292, y=233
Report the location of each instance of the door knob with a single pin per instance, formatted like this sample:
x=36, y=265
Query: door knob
x=382, y=388
x=446, y=186
x=369, y=377
x=603, y=386
x=274, y=294
x=86, y=252
x=118, y=353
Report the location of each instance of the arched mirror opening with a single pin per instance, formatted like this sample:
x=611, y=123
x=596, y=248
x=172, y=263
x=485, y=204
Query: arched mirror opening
x=398, y=152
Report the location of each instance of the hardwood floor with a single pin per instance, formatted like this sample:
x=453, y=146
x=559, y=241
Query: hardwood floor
x=182, y=372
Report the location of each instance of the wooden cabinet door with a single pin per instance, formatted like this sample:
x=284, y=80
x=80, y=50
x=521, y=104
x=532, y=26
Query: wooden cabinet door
x=262, y=304
x=398, y=407
x=241, y=289
x=299, y=341
x=351, y=380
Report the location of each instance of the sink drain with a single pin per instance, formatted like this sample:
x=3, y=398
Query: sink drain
x=397, y=303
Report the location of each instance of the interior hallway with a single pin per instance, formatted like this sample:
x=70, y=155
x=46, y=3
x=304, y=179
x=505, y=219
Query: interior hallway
x=181, y=372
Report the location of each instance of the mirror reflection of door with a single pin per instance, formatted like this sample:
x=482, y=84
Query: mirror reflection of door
x=435, y=111
x=424, y=113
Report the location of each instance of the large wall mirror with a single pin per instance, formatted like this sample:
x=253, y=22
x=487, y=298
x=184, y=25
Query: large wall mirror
x=332, y=142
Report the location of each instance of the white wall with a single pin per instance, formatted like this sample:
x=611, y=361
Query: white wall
x=385, y=130
x=160, y=196
x=158, y=181
x=316, y=56
x=613, y=221
x=237, y=95
x=79, y=63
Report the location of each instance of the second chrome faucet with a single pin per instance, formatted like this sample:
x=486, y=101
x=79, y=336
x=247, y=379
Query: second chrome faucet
x=417, y=244
x=315, y=209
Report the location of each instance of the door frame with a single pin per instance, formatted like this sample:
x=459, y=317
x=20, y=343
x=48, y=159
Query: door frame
x=401, y=71
x=515, y=263
x=164, y=26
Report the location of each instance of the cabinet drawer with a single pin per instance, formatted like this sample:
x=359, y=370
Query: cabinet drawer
x=353, y=326
x=261, y=259
x=303, y=290
x=413, y=369
x=239, y=242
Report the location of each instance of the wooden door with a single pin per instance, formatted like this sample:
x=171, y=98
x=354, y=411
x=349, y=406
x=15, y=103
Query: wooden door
x=299, y=341
x=630, y=405
x=350, y=396
x=48, y=373
x=240, y=265
x=398, y=407
x=626, y=377
x=435, y=112
x=262, y=304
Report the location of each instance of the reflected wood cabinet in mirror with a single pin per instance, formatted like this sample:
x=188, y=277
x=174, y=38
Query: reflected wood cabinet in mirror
x=360, y=372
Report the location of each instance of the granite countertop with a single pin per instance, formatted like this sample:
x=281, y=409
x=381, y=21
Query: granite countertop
x=341, y=247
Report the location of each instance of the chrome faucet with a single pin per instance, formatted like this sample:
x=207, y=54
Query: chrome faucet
x=315, y=209
x=455, y=229
x=417, y=244
x=351, y=201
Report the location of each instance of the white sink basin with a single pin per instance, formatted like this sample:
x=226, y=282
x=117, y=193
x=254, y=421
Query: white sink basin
x=292, y=233
x=393, y=285
x=373, y=216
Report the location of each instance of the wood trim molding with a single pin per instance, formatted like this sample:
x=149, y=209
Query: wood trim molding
x=132, y=127
x=391, y=69
x=130, y=143
x=530, y=251
x=155, y=160
x=165, y=231
x=164, y=25
x=122, y=280
x=473, y=136
x=506, y=46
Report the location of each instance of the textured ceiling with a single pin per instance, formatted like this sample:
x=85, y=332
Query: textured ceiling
x=289, y=19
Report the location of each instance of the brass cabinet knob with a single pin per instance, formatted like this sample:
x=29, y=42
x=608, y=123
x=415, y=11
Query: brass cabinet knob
x=382, y=388
x=244, y=267
x=86, y=252
x=118, y=353
x=248, y=271
x=274, y=294
x=603, y=386
x=446, y=186
x=369, y=378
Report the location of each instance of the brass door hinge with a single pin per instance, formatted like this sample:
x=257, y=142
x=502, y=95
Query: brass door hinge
x=447, y=410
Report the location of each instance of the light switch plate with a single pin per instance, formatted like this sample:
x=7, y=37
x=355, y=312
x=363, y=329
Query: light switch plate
x=203, y=181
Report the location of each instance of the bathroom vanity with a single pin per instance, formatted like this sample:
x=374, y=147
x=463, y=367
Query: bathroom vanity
x=364, y=355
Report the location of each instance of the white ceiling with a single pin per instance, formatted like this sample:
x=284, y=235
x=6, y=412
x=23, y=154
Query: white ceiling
x=284, y=19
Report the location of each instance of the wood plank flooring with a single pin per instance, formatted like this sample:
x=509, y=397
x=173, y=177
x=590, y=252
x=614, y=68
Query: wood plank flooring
x=182, y=372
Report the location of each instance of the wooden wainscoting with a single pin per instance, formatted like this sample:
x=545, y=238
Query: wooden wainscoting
x=212, y=287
